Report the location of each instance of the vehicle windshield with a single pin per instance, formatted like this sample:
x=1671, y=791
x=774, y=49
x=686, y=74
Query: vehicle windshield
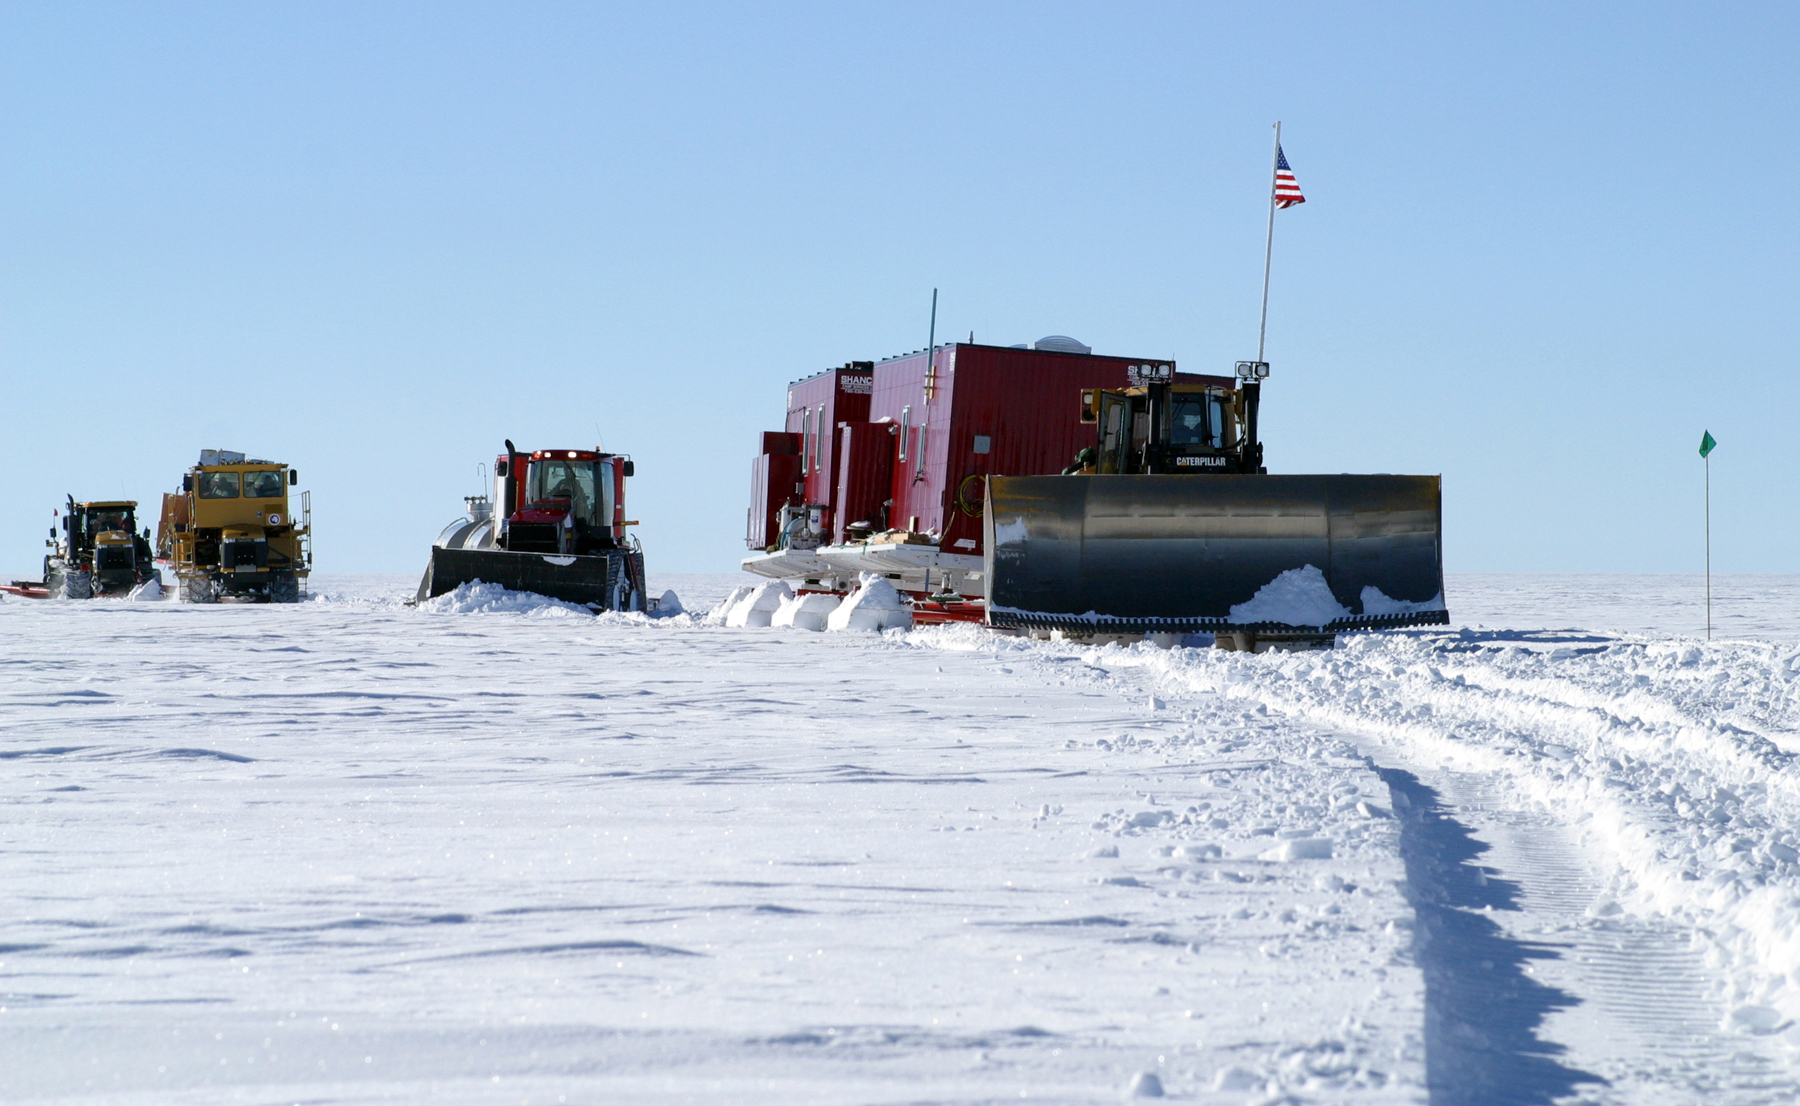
x=102, y=521
x=570, y=480
x=218, y=485
x=1192, y=421
x=262, y=485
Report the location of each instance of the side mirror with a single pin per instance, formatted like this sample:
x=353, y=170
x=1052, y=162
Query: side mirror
x=187, y=483
x=630, y=468
x=294, y=477
x=500, y=468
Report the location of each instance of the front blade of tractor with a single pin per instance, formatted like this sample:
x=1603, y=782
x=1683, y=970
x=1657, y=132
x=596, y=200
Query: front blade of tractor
x=1174, y=553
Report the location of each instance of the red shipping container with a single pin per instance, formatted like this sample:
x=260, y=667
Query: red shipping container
x=866, y=454
x=907, y=444
x=980, y=410
x=817, y=406
x=773, y=477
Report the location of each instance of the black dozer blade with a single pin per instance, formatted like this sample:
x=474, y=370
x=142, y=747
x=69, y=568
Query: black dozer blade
x=1172, y=553
x=608, y=581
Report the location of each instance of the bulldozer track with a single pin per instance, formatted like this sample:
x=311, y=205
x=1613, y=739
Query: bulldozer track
x=1628, y=1012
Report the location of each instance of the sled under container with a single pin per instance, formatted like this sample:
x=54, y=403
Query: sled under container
x=1175, y=553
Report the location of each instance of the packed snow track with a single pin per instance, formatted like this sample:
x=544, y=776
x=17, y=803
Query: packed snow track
x=496, y=849
x=1601, y=835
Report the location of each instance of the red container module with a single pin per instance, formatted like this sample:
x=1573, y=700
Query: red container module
x=892, y=457
x=774, y=480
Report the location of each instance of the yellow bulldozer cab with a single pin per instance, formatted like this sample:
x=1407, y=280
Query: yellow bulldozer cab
x=1195, y=414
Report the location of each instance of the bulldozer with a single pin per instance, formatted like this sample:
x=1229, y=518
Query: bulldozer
x=1170, y=524
x=97, y=552
x=556, y=526
x=230, y=533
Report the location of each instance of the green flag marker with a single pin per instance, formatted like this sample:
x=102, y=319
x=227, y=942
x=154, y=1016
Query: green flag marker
x=1706, y=442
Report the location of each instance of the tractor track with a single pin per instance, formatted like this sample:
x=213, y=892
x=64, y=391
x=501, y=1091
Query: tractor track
x=1631, y=1012
x=1550, y=772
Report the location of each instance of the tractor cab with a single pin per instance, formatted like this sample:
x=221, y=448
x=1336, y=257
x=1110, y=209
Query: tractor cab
x=568, y=502
x=96, y=519
x=101, y=540
x=1172, y=428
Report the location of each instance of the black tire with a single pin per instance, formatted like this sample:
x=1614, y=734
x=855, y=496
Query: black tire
x=284, y=587
x=75, y=585
x=200, y=589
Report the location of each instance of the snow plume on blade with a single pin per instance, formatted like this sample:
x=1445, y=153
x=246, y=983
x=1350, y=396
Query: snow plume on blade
x=477, y=597
x=1668, y=760
x=1374, y=601
x=1297, y=597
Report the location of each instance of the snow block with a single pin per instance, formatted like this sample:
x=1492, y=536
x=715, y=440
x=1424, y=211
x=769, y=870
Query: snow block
x=1301, y=848
x=805, y=612
x=716, y=616
x=1145, y=1084
x=873, y=606
x=757, y=609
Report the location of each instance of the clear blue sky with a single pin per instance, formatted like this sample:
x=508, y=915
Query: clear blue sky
x=1545, y=245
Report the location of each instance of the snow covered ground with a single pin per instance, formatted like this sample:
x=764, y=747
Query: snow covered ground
x=351, y=851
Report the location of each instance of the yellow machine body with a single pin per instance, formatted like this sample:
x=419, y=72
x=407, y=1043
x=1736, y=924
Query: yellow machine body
x=232, y=531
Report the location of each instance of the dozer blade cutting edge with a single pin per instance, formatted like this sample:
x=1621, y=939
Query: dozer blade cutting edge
x=606, y=581
x=1160, y=553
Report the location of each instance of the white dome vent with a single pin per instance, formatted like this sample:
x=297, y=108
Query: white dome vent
x=1061, y=343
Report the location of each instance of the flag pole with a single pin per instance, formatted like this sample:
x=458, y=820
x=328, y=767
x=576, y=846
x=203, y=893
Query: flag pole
x=1708, y=461
x=1262, y=329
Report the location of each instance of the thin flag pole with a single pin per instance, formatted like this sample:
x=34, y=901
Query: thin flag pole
x=1707, y=445
x=1262, y=329
x=931, y=342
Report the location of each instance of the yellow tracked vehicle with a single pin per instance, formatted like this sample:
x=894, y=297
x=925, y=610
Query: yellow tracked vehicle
x=97, y=553
x=230, y=532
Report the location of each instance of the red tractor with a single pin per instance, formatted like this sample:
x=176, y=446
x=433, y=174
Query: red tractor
x=556, y=526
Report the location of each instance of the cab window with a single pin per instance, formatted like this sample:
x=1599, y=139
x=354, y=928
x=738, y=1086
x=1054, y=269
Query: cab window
x=218, y=485
x=262, y=485
x=1189, y=421
x=570, y=480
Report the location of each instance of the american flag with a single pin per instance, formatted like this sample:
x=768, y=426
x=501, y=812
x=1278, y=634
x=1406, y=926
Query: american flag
x=1287, y=189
